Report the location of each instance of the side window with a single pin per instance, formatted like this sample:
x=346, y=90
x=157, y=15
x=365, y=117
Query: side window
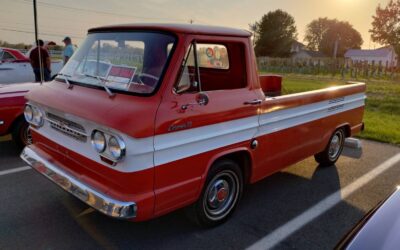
x=220, y=67
x=7, y=56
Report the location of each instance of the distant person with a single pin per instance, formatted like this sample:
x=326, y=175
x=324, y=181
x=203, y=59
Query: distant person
x=35, y=62
x=68, y=50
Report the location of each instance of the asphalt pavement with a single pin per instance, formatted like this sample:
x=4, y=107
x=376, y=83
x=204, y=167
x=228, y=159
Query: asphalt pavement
x=36, y=214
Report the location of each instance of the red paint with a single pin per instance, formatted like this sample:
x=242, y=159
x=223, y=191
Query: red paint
x=137, y=186
x=179, y=183
x=12, y=102
x=19, y=56
x=271, y=85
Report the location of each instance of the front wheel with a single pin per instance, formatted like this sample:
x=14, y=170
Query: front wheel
x=21, y=134
x=220, y=196
x=331, y=154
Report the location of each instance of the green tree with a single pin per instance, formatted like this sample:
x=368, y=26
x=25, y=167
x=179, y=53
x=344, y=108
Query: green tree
x=315, y=32
x=324, y=34
x=386, y=25
x=275, y=33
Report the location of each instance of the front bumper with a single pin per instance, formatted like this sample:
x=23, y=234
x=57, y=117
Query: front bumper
x=100, y=202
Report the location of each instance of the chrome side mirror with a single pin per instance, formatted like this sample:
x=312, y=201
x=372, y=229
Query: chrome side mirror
x=201, y=100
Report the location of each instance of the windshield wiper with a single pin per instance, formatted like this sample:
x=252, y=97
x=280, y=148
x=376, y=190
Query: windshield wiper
x=65, y=77
x=102, y=82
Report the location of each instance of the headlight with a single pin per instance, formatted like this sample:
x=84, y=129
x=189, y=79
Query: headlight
x=33, y=115
x=98, y=141
x=116, y=147
x=37, y=117
x=28, y=113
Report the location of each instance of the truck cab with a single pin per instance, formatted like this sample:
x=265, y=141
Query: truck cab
x=148, y=118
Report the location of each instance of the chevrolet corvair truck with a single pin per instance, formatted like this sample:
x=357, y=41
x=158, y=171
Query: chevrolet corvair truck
x=145, y=119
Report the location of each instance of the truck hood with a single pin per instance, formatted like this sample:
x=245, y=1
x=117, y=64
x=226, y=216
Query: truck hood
x=131, y=115
x=16, y=88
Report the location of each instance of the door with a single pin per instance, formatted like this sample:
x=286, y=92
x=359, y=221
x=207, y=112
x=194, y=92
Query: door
x=213, y=106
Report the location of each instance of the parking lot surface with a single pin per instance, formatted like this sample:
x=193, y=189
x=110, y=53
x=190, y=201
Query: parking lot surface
x=34, y=213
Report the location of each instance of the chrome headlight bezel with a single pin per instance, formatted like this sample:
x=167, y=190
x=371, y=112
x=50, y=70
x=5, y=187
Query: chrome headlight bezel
x=34, y=115
x=111, y=148
x=116, y=147
x=38, y=118
x=99, y=141
x=28, y=113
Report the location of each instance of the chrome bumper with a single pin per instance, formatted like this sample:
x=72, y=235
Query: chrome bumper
x=101, y=202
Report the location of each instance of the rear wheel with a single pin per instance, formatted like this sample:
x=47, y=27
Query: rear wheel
x=331, y=154
x=21, y=134
x=220, y=196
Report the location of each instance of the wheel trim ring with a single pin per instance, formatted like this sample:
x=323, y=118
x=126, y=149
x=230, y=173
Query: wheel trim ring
x=25, y=135
x=335, y=145
x=229, y=203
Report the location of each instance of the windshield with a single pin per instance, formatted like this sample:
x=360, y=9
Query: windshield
x=122, y=61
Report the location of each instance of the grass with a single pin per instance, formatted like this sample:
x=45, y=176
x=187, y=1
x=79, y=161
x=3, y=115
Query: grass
x=382, y=113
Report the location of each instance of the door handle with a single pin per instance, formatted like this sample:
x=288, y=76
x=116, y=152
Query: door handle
x=253, y=102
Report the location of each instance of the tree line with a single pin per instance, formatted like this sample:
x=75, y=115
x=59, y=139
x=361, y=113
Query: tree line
x=276, y=31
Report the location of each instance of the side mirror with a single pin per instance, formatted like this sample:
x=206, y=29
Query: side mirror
x=201, y=100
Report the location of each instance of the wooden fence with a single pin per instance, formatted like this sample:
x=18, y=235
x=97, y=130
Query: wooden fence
x=344, y=68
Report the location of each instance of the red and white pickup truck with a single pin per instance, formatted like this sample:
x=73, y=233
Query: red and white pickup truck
x=148, y=118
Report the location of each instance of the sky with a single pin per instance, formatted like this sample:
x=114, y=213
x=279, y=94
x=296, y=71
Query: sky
x=59, y=18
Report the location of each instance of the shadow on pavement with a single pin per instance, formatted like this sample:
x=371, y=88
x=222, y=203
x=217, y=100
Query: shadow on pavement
x=265, y=206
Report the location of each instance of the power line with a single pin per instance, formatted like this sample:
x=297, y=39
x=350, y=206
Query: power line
x=52, y=5
x=5, y=23
x=43, y=34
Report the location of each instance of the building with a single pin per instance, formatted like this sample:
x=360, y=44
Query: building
x=296, y=47
x=300, y=52
x=385, y=55
x=308, y=54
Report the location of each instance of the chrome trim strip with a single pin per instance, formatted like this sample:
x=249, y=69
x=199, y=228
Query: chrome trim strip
x=95, y=199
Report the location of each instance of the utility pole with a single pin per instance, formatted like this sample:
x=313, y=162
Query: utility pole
x=37, y=41
x=191, y=21
x=336, y=47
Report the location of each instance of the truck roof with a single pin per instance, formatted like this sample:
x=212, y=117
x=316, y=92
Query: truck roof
x=177, y=28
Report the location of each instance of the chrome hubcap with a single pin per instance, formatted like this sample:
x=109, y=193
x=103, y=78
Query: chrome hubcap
x=218, y=194
x=221, y=194
x=335, y=145
x=26, y=136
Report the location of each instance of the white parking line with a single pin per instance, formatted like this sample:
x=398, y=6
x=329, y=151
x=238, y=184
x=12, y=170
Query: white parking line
x=14, y=170
x=284, y=231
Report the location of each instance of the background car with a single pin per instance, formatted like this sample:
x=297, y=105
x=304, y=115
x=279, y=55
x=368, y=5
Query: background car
x=12, y=103
x=15, y=67
x=379, y=229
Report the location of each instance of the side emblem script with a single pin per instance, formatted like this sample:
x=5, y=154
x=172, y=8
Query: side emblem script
x=175, y=127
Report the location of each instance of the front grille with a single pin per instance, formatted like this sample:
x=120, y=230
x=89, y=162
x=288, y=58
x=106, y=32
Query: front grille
x=67, y=127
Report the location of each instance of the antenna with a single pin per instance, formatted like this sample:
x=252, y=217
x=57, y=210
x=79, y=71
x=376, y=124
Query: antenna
x=37, y=41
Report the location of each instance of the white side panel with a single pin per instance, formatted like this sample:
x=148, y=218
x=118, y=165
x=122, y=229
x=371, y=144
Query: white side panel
x=283, y=119
x=173, y=146
x=178, y=145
